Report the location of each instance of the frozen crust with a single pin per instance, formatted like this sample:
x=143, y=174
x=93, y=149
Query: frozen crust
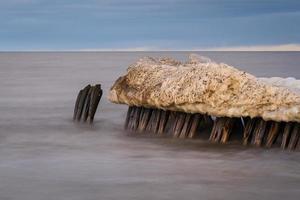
x=202, y=86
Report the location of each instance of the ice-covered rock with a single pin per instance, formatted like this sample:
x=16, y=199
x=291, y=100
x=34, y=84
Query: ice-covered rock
x=203, y=86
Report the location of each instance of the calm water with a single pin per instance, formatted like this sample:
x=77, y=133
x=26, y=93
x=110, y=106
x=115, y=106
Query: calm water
x=44, y=155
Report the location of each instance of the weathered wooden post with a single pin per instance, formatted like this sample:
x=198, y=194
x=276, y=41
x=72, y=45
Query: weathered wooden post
x=87, y=102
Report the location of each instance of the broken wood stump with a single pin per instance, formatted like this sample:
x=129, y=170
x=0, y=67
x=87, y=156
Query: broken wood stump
x=86, y=103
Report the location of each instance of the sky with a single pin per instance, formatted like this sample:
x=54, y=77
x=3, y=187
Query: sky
x=89, y=25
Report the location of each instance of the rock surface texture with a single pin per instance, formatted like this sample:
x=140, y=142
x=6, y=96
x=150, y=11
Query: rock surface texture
x=202, y=86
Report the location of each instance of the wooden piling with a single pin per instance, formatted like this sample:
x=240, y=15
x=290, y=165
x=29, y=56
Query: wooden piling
x=87, y=105
x=180, y=118
x=186, y=126
x=286, y=134
x=144, y=120
x=77, y=104
x=259, y=131
x=129, y=111
x=227, y=129
x=96, y=95
x=136, y=118
x=171, y=122
x=81, y=102
x=154, y=121
x=272, y=133
x=164, y=115
x=248, y=130
x=194, y=125
x=294, y=137
x=216, y=132
x=298, y=145
x=131, y=118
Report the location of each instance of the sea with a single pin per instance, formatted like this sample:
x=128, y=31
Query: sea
x=44, y=155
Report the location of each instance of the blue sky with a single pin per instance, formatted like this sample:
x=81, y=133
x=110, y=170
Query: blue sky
x=148, y=24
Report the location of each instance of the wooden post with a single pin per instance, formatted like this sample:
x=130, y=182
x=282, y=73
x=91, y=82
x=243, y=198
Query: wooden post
x=164, y=115
x=248, y=131
x=195, y=122
x=259, y=132
x=272, y=134
x=144, y=120
x=227, y=129
x=216, y=132
x=129, y=111
x=77, y=104
x=154, y=121
x=180, y=118
x=294, y=137
x=286, y=134
x=131, y=118
x=81, y=102
x=186, y=126
x=87, y=105
x=136, y=118
x=169, y=128
x=96, y=95
x=298, y=145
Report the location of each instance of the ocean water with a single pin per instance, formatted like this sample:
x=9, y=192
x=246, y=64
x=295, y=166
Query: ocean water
x=44, y=155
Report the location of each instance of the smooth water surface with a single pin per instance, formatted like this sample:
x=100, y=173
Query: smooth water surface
x=44, y=155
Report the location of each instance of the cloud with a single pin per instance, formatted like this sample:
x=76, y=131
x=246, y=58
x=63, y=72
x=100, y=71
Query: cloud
x=281, y=47
x=147, y=25
x=142, y=48
x=16, y=2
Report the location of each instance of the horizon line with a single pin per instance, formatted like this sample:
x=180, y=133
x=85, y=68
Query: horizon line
x=254, y=48
x=136, y=51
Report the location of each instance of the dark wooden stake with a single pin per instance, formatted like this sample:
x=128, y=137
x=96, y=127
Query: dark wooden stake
x=154, y=121
x=144, y=120
x=169, y=128
x=96, y=95
x=129, y=111
x=259, y=132
x=136, y=118
x=86, y=106
x=186, y=126
x=142, y=110
x=294, y=137
x=286, y=134
x=227, y=129
x=164, y=115
x=77, y=104
x=81, y=102
x=195, y=122
x=180, y=118
x=216, y=132
x=298, y=145
x=131, y=118
x=248, y=130
x=272, y=134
